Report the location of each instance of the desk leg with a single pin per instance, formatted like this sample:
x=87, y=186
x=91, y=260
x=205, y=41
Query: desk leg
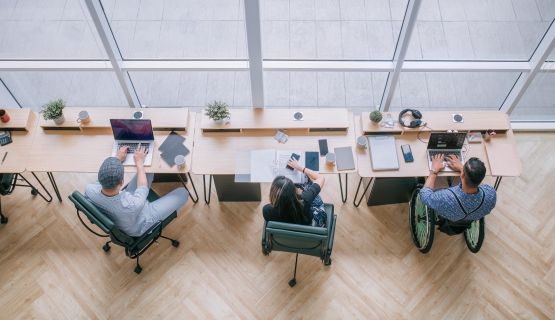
x=35, y=191
x=207, y=196
x=363, y=193
x=54, y=185
x=497, y=183
x=343, y=197
x=184, y=183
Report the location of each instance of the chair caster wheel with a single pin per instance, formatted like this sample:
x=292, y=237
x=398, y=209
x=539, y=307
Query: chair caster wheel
x=4, y=220
x=327, y=261
x=265, y=251
x=106, y=247
x=292, y=282
x=175, y=243
x=138, y=269
x=34, y=192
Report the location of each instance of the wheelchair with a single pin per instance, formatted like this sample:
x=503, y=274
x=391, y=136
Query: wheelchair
x=422, y=222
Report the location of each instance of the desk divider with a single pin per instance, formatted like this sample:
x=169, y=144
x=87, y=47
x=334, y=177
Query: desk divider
x=20, y=120
x=163, y=119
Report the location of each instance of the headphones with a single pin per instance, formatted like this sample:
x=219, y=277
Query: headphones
x=417, y=115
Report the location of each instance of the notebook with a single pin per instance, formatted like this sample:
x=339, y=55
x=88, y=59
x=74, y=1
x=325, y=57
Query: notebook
x=383, y=153
x=344, y=158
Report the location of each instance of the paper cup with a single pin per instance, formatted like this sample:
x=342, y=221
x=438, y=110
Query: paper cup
x=361, y=142
x=179, y=161
x=330, y=158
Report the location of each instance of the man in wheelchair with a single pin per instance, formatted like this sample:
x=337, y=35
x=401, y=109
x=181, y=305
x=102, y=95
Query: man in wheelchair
x=458, y=206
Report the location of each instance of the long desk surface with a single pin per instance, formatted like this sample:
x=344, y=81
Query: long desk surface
x=84, y=150
x=24, y=124
x=499, y=154
x=216, y=152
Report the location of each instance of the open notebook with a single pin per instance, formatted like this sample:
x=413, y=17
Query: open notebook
x=267, y=164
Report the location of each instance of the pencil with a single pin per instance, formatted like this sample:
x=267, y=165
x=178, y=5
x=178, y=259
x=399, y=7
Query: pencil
x=4, y=158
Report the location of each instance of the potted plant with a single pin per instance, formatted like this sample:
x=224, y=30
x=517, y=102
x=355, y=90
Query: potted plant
x=218, y=111
x=53, y=111
x=376, y=116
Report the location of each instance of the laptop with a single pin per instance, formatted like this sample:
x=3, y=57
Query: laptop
x=447, y=143
x=131, y=133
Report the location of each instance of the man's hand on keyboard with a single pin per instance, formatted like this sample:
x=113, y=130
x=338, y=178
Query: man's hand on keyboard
x=437, y=163
x=139, y=155
x=122, y=153
x=454, y=163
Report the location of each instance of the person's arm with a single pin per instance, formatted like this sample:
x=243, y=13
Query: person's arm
x=437, y=166
x=315, y=177
x=122, y=153
x=454, y=163
x=139, y=158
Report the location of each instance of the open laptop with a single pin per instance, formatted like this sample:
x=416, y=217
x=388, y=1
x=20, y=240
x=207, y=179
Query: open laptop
x=446, y=143
x=131, y=133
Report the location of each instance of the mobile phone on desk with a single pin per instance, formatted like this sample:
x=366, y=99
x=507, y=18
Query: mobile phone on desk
x=293, y=156
x=407, y=153
x=323, y=144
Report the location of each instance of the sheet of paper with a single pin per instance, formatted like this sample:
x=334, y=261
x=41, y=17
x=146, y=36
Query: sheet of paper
x=282, y=156
x=262, y=163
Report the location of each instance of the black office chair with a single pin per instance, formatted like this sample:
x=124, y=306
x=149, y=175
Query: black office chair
x=134, y=246
x=296, y=238
x=422, y=222
x=8, y=182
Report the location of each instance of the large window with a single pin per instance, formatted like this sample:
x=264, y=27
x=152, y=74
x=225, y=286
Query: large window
x=538, y=103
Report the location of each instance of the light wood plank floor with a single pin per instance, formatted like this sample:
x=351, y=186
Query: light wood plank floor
x=51, y=267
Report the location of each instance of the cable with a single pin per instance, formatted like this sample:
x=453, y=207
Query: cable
x=420, y=132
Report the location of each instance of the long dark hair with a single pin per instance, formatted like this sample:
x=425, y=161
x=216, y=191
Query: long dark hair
x=283, y=196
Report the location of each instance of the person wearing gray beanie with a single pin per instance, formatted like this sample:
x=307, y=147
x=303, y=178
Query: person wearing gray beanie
x=129, y=208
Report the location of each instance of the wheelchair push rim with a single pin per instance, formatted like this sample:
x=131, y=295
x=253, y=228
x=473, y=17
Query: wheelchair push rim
x=474, y=235
x=422, y=223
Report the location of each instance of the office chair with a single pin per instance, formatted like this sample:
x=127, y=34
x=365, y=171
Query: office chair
x=134, y=246
x=423, y=220
x=8, y=182
x=296, y=238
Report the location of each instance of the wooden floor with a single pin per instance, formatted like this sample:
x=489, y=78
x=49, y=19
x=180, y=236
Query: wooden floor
x=51, y=267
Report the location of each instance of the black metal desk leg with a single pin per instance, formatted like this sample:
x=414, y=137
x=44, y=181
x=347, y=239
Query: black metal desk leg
x=184, y=183
x=54, y=185
x=35, y=191
x=497, y=183
x=207, y=196
x=343, y=198
x=363, y=193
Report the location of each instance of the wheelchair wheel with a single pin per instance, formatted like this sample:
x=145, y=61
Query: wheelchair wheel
x=422, y=223
x=474, y=235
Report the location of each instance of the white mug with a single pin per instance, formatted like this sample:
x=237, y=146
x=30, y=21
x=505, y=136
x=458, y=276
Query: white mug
x=361, y=142
x=179, y=161
x=330, y=158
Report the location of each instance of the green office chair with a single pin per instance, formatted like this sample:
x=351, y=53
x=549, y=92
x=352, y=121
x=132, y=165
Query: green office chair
x=134, y=246
x=296, y=238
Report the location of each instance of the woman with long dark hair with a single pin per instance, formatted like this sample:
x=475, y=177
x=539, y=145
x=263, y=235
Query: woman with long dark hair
x=296, y=203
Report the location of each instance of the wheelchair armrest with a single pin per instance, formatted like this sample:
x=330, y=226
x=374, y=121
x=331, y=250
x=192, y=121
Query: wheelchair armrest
x=332, y=233
x=263, y=240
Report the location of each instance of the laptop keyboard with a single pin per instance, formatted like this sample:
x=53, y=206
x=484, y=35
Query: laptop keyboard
x=445, y=153
x=131, y=146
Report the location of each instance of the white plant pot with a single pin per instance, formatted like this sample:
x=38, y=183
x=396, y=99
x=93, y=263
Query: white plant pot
x=59, y=120
x=221, y=121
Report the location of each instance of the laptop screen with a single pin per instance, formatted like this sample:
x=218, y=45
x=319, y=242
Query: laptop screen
x=446, y=140
x=132, y=129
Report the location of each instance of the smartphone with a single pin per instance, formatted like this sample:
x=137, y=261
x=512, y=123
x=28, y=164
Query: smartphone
x=323, y=143
x=293, y=156
x=312, y=161
x=407, y=153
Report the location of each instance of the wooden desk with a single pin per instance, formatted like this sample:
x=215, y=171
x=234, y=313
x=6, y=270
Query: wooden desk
x=22, y=125
x=216, y=151
x=499, y=154
x=84, y=150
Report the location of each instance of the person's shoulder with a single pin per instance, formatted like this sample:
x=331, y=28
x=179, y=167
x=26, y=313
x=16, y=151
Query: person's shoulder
x=489, y=190
x=92, y=189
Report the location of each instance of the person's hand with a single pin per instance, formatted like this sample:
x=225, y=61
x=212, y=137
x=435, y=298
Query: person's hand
x=122, y=153
x=295, y=164
x=454, y=163
x=437, y=163
x=139, y=155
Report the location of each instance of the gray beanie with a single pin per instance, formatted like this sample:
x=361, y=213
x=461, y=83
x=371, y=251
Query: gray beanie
x=110, y=173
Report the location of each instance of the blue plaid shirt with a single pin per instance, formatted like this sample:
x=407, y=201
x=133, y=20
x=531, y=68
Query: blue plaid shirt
x=445, y=205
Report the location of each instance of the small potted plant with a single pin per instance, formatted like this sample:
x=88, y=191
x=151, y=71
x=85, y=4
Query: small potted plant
x=218, y=111
x=53, y=111
x=376, y=116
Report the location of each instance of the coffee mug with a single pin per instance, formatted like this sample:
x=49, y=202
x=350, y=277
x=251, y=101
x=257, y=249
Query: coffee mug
x=179, y=161
x=83, y=117
x=330, y=158
x=137, y=115
x=361, y=142
x=4, y=116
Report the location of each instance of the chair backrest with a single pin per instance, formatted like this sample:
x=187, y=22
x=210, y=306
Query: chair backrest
x=99, y=218
x=7, y=183
x=298, y=238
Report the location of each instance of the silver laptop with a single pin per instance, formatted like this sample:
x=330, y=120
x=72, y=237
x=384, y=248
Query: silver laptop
x=132, y=133
x=447, y=143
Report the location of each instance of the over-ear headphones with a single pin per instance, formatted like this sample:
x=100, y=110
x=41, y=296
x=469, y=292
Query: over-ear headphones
x=417, y=115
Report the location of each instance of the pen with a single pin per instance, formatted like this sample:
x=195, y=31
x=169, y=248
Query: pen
x=4, y=158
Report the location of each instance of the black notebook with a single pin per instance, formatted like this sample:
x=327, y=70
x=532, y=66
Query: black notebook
x=171, y=147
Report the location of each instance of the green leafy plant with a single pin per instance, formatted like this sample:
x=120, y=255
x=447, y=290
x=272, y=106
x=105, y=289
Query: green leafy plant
x=53, y=109
x=376, y=116
x=217, y=110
